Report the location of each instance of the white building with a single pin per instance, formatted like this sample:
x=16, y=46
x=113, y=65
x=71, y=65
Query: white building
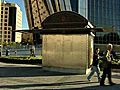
x=10, y=19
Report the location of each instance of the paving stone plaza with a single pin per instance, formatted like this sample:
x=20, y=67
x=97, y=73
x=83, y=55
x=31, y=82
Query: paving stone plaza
x=33, y=77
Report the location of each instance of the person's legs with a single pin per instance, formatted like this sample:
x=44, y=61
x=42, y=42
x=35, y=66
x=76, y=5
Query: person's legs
x=109, y=77
x=98, y=73
x=91, y=73
x=103, y=76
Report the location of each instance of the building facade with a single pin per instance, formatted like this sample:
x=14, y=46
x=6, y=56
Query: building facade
x=101, y=13
x=10, y=19
x=105, y=13
x=36, y=11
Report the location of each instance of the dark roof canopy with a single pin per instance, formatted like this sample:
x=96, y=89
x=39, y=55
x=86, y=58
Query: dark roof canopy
x=65, y=19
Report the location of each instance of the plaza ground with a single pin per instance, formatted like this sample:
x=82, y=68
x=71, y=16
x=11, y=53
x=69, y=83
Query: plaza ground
x=33, y=77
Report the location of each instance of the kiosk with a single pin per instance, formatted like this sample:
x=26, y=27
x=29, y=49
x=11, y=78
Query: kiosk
x=67, y=44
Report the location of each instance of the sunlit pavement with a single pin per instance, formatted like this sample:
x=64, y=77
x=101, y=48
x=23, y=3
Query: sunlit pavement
x=32, y=77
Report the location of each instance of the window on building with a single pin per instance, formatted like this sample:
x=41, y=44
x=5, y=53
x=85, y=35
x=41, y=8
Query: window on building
x=5, y=32
x=5, y=28
x=8, y=32
x=5, y=24
x=40, y=2
x=5, y=20
x=6, y=8
x=8, y=36
x=0, y=32
x=5, y=36
x=41, y=14
x=1, y=16
x=5, y=40
x=41, y=7
x=8, y=40
x=1, y=12
x=1, y=20
x=1, y=37
x=44, y=12
x=6, y=12
x=5, y=16
x=37, y=21
x=9, y=28
x=1, y=8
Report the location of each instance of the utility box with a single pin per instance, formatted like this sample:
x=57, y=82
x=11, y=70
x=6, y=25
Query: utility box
x=67, y=53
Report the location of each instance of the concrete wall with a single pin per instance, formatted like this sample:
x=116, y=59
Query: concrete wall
x=67, y=53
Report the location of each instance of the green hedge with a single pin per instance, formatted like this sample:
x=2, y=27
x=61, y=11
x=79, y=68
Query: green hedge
x=21, y=60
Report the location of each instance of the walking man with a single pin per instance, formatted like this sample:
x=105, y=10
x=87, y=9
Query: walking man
x=108, y=57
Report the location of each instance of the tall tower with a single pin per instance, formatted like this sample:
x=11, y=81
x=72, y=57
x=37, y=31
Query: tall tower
x=105, y=13
x=101, y=13
x=36, y=12
x=11, y=19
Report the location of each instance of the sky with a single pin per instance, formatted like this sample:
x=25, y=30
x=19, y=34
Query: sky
x=21, y=4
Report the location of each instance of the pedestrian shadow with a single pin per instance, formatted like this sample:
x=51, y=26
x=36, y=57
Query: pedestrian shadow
x=28, y=72
x=47, y=85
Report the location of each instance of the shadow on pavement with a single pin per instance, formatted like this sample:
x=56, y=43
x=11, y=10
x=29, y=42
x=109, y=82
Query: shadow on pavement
x=97, y=87
x=44, y=85
x=27, y=72
x=48, y=85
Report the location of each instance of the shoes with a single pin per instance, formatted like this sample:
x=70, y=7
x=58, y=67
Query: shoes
x=112, y=83
x=102, y=84
x=88, y=79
